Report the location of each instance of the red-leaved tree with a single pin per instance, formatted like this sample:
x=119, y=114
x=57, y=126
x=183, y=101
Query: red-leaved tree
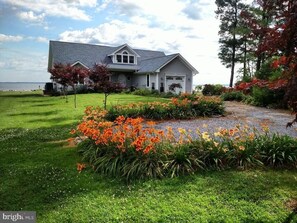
x=60, y=74
x=281, y=40
x=100, y=80
x=67, y=75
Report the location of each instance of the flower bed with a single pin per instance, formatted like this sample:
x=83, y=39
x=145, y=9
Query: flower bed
x=184, y=107
x=132, y=148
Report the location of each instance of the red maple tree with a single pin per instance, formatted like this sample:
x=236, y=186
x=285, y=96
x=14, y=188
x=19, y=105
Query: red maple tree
x=280, y=40
x=100, y=80
x=67, y=75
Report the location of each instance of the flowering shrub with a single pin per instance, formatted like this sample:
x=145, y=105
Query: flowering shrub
x=184, y=107
x=271, y=85
x=133, y=148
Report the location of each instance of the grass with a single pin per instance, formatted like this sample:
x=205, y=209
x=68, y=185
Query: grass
x=38, y=173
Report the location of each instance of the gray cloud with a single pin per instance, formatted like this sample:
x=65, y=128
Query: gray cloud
x=193, y=11
x=127, y=8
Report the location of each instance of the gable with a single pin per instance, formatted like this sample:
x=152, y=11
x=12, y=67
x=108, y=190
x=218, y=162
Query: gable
x=177, y=66
x=124, y=55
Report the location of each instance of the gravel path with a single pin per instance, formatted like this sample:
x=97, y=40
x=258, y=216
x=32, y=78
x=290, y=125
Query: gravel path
x=239, y=113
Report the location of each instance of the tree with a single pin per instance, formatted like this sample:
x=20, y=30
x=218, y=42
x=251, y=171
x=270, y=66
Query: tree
x=77, y=75
x=68, y=75
x=100, y=80
x=228, y=12
x=60, y=73
x=281, y=41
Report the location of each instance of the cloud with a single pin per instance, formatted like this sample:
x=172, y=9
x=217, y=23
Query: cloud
x=118, y=32
x=104, y=4
x=193, y=11
x=60, y=8
x=32, y=18
x=18, y=65
x=41, y=39
x=8, y=38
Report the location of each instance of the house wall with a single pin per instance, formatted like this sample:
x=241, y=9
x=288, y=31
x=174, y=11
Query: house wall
x=124, y=78
x=139, y=80
x=178, y=68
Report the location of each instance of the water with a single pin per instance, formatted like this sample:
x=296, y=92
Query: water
x=21, y=86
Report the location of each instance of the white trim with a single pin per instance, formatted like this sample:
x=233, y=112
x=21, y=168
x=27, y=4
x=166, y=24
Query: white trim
x=78, y=62
x=157, y=82
x=122, y=54
x=175, y=75
x=123, y=46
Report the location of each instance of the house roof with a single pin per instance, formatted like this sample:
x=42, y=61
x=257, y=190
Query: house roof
x=89, y=54
x=156, y=64
x=153, y=64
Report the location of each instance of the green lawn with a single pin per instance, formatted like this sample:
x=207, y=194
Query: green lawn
x=38, y=173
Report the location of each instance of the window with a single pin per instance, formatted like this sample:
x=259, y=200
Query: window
x=119, y=58
x=179, y=78
x=147, y=80
x=125, y=57
x=131, y=59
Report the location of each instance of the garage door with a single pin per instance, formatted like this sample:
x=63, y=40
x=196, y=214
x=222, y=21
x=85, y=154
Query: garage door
x=175, y=84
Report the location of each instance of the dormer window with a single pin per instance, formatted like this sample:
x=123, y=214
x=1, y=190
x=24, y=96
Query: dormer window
x=125, y=57
x=119, y=58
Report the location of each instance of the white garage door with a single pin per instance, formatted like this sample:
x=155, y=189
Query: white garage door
x=175, y=84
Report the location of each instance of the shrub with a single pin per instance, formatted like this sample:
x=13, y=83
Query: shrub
x=210, y=89
x=233, y=96
x=142, y=92
x=266, y=97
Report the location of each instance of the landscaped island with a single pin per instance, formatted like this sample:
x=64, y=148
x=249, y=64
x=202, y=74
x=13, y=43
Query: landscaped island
x=38, y=172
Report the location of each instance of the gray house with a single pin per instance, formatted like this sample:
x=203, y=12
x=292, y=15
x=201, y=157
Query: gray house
x=131, y=67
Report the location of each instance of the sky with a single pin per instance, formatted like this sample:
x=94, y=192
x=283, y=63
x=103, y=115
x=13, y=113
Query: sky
x=188, y=27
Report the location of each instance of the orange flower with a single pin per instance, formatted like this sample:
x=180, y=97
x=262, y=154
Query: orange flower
x=231, y=132
x=174, y=101
x=80, y=167
x=120, y=120
x=73, y=131
x=148, y=149
x=151, y=123
x=242, y=148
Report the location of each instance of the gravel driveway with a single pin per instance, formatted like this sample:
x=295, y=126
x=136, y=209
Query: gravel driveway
x=239, y=113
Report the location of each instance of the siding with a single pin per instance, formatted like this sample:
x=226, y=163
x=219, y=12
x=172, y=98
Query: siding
x=177, y=67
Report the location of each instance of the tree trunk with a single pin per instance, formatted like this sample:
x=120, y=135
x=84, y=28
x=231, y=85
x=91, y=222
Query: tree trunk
x=105, y=100
x=65, y=93
x=74, y=88
x=244, y=60
x=233, y=46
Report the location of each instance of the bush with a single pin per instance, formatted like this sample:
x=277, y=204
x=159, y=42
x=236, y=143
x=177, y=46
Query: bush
x=210, y=89
x=266, y=97
x=133, y=149
x=145, y=92
x=233, y=96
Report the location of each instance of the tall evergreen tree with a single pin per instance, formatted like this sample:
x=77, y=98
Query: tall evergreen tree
x=228, y=12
